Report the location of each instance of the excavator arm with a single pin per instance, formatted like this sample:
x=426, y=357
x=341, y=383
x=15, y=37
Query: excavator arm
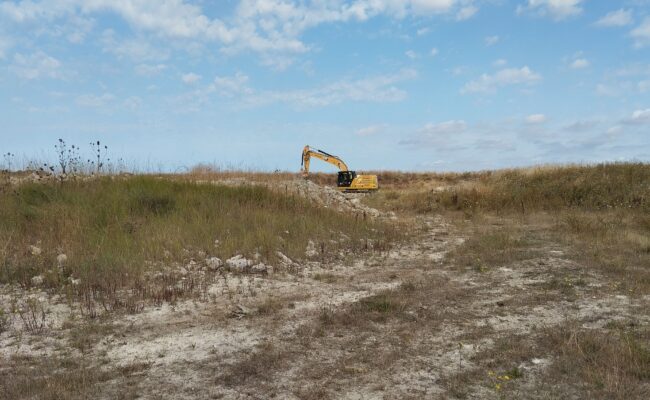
x=307, y=153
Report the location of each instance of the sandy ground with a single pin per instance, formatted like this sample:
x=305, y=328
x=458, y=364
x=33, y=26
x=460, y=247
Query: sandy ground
x=217, y=345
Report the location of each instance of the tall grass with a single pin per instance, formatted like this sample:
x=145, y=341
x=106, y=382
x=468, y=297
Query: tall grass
x=598, y=187
x=115, y=229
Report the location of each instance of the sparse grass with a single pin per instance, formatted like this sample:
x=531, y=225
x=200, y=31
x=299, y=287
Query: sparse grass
x=613, y=365
x=600, y=212
x=113, y=230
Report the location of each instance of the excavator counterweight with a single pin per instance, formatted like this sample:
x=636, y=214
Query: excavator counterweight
x=348, y=181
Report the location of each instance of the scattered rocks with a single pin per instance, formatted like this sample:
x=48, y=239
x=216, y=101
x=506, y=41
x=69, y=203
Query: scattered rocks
x=238, y=263
x=37, y=280
x=261, y=268
x=35, y=251
x=214, y=263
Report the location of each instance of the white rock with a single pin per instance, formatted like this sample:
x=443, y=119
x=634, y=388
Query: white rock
x=311, y=250
x=74, y=282
x=37, y=280
x=284, y=259
x=36, y=251
x=61, y=259
x=238, y=263
x=214, y=263
x=182, y=271
x=260, y=268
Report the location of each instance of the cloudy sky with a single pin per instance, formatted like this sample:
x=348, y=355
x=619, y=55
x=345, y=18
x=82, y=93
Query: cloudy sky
x=386, y=84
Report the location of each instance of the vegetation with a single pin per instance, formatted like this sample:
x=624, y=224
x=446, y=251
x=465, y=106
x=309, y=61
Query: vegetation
x=113, y=230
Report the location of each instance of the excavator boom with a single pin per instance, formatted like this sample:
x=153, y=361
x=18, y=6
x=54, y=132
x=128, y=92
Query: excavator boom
x=347, y=180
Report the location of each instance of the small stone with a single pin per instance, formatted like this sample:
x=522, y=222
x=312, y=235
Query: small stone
x=37, y=280
x=74, y=282
x=311, y=250
x=182, y=271
x=36, y=251
x=284, y=259
x=61, y=259
x=214, y=263
x=238, y=263
x=260, y=268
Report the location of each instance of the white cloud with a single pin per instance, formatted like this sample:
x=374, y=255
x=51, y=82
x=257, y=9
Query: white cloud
x=380, y=89
x=411, y=54
x=133, y=103
x=5, y=45
x=505, y=77
x=641, y=33
x=556, y=9
x=434, y=52
x=36, y=65
x=615, y=19
x=580, y=63
x=191, y=78
x=500, y=63
x=95, y=101
x=262, y=26
x=491, y=40
x=536, y=119
x=371, y=130
x=638, y=117
x=423, y=31
x=139, y=49
x=232, y=85
x=440, y=133
x=150, y=69
x=466, y=13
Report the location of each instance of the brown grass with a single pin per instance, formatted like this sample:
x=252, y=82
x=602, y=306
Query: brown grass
x=114, y=230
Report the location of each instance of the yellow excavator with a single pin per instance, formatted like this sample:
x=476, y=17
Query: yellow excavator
x=348, y=181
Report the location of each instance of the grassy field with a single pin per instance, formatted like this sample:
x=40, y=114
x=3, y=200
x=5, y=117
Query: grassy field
x=597, y=216
x=114, y=230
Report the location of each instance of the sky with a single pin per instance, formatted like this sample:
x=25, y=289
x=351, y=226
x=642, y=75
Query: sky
x=418, y=85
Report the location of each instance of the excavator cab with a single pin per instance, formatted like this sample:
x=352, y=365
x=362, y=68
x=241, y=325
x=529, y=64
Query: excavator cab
x=345, y=178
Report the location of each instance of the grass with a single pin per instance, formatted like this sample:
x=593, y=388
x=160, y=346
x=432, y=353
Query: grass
x=601, y=213
x=114, y=230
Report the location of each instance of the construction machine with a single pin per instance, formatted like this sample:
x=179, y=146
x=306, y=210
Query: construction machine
x=348, y=181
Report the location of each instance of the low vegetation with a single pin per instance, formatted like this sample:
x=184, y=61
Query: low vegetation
x=113, y=230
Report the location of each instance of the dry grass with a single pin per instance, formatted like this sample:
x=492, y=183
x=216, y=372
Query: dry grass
x=114, y=230
x=601, y=213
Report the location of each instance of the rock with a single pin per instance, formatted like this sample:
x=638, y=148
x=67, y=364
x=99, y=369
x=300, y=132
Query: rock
x=216, y=242
x=61, y=259
x=182, y=271
x=191, y=265
x=36, y=251
x=214, y=263
x=260, y=268
x=37, y=280
x=311, y=251
x=238, y=263
x=74, y=282
x=284, y=259
x=240, y=311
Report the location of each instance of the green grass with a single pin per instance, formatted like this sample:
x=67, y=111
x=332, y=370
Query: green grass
x=115, y=229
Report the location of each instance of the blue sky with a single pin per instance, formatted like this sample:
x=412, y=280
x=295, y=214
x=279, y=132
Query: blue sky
x=446, y=85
